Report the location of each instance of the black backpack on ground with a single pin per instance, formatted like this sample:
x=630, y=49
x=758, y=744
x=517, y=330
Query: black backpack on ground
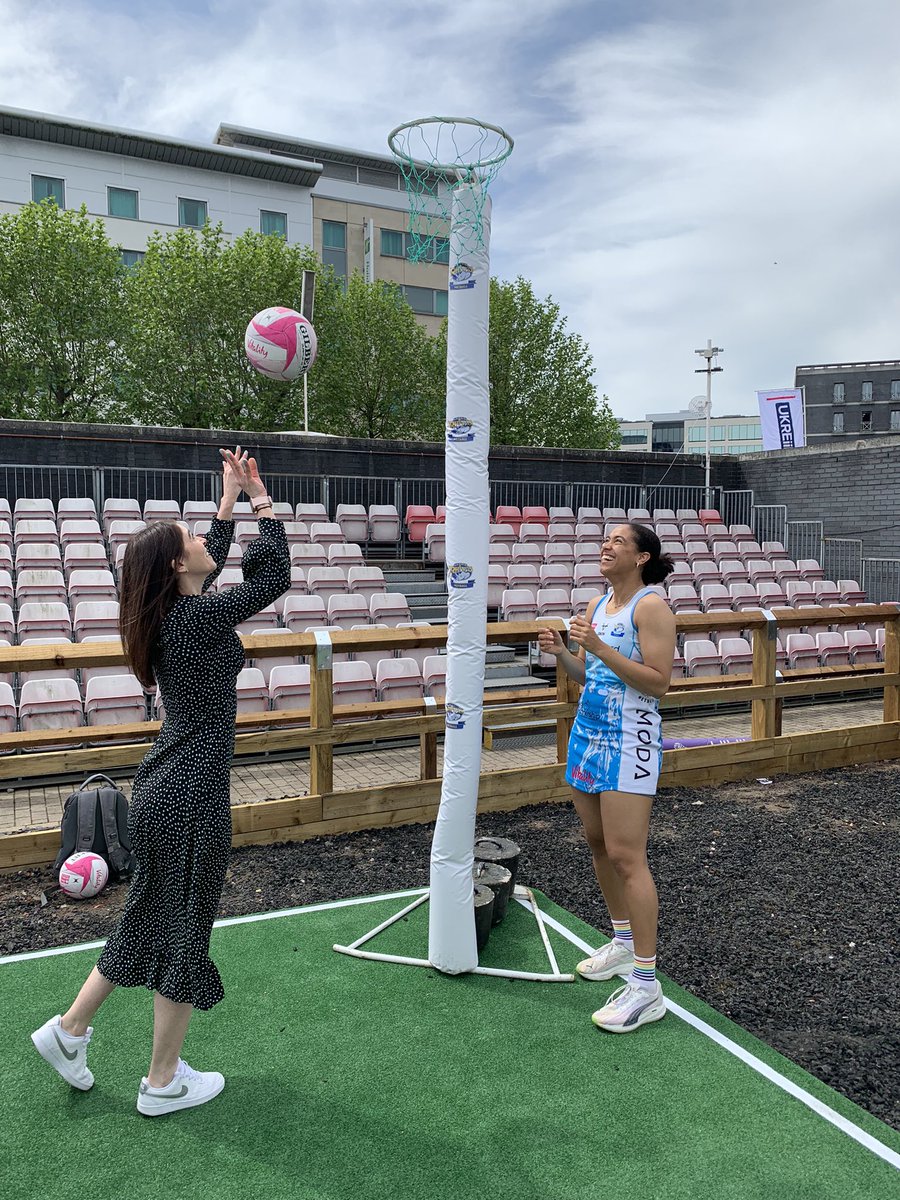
x=96, y=818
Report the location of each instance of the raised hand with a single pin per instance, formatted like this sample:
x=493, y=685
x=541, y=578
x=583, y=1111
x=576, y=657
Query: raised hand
x=551, y=642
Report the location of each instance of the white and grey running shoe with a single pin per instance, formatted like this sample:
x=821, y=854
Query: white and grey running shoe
x=187, y=1089
x=615, y=958
x=629, y=1007
x=65, y=1054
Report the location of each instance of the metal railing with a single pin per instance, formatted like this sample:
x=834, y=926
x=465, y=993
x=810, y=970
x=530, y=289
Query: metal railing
x=768, y=522
x=842, y=558
x=803, y=539
x=880, y=580
x=737, y=507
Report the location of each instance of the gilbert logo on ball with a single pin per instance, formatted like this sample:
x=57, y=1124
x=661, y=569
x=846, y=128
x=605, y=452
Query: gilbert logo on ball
x=83, y=875
x=280, y=343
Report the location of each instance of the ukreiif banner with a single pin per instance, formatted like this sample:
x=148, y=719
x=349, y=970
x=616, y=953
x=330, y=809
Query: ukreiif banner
x=781, y=417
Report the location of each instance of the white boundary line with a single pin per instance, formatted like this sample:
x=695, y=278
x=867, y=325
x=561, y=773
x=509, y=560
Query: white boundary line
x=751, y=1060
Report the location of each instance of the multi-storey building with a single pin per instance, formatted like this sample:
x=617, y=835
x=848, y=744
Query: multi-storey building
x=310, y=193
x=856, y=400
x=671, y=432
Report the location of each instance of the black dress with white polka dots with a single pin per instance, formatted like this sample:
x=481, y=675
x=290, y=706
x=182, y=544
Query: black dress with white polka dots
x=180, y=817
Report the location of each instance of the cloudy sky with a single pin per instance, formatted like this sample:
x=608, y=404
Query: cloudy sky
x=683, y=169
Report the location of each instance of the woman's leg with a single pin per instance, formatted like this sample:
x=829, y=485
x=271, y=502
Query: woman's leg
x=625, y=821
x=589, y=810
x=95, y=989
x=170, y=1026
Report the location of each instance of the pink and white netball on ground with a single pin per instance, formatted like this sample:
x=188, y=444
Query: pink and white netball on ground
x=280, y=343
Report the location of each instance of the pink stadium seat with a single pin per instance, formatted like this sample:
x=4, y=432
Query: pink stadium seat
x=7, y=624
x=738, y=531
x=879, y=641
x=580, y=599
x=120, y=509
x=760, y=570
x=496, y=584
x=732, y=570
x=502, y=532
x=354, y=522
x=417, y=518
x=588, y=531
x=304, y=612
x=46, y=619
x=121, y=532
x=6, y=537
x=252, y=691
x=799, y=593
x=724, y=549
x=809, y=569
x=827, y=593
x=562, y=514
x=683, y=598
x=715, y=597
x=667, y=531
x=500, y=552
x=8, y=719
x=345, y=555
x=42, y=587
x=773, y=550
x=384, y=524
x=534, y=514
x=265, y=663
x=440, y=513
x=772, y=595
x=297, y=588
x=309, y=556
x=365, y=581
x=686, y=514
x=114, y=700
x=75, y=508
x=346, y=611
x=785, y=570
x=518, y=604
x=417, y=653
x=50, y=704
x=388, y=608
x=588, y=552
x=325, y=581
x=523, y=575
x=693, y=531
x=614, y=516
x=554, y=602
x=833, y=650
x=91, y=585
x=695, y=548
x=641, y=515
x=701, y=658
x=7, y=595
x=802, y=652
x=709, y=516
x=589, y=575
x=289, y=687
x=528, y=552
x=161, y=510
x=34, y=510
x=674, y=550
x=557, y=575
x=325, y=533
x=84, y=556
x=436, y=542
x=399, y=679
x=99, y=617
x=560, y=534
x=37, y=556
x=663, y=514
x=80, y=533
x=51, y=672
x=296, y=532
x=36, y=533
x=371, y=657
x=198, y=510
x=434, y=674
x=705, y=571
x=736, y=655
x=353, y=683
x=587, y=513
x=509, y=514
x=851, y=592
x=680, y=573
x=861, y=645
x=310, y=512
x=744, y=596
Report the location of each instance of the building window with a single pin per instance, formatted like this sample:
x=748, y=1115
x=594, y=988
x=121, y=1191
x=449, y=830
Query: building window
x=192, y=213
x=396, y=244
x=634, y=437
x=895, y=420
x=43, y=187
x=837, y=394
x=122, y=202
x=744, y=431
x=334, y=247
x=837, y=423
x=430, y=302
x=866, y=391
x=392, y=243
x=131, y=258
x=865, y=423
x=895, y=389
x=273, y=223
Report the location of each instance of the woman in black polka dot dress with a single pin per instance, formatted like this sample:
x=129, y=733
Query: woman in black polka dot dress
x=180, y=822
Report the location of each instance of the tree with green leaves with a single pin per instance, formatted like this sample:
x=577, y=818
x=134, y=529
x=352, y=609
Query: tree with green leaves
x=541, y=387
x=382, y=376
x=62, y=321
x=189, y=303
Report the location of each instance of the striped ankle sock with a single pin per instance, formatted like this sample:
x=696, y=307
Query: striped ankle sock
x=643, y=973
x=622, y=933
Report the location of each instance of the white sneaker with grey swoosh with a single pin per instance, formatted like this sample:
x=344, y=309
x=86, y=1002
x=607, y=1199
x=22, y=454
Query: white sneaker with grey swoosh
x=187, y=1089
x=66, y=1054
x=629, y=1007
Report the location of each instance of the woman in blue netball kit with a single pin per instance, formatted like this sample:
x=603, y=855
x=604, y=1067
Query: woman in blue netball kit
x=626, y=646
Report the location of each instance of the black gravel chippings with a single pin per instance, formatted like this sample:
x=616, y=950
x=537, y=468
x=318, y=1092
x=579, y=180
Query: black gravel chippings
x=778, y=905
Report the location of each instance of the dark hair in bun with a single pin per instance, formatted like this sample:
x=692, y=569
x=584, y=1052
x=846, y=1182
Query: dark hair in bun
x=659, y=565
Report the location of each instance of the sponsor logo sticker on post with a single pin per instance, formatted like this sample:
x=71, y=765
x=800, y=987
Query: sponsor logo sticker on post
x=460, y=575
x=462, y=276
x=460, y=429
x=454, y=716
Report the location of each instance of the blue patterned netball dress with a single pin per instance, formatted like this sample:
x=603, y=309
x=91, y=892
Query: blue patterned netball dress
x=616, y=742
x=180, y=818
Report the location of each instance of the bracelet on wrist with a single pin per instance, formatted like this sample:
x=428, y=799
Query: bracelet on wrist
x=261, y=502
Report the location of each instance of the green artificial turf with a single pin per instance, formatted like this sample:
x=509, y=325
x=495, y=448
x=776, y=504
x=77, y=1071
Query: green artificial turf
x=358, y=1080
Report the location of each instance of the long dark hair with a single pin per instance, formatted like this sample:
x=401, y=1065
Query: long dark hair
x=148, y=588
x=658, y=565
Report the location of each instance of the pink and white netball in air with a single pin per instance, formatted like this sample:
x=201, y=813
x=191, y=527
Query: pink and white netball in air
x=280, y=343
x=83, y=875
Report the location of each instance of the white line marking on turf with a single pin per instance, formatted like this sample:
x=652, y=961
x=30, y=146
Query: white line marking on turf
x=757, y=1064
x=817, y=1106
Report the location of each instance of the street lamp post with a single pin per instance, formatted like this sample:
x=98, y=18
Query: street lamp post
x=709, y=353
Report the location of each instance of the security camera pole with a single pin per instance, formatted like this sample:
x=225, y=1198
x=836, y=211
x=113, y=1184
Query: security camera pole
x=709, y=353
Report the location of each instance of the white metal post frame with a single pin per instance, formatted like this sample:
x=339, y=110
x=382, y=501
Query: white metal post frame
x=525, y=897
x=451, y=943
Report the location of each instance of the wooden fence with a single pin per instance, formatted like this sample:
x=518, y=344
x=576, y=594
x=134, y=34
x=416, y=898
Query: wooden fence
x=323, y=726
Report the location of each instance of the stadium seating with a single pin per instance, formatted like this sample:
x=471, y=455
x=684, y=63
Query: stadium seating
x=851, y=592
x=289, y=687
x=511, y=515
x=399, y=679
x=304, y=612
x=553, y=602
x=353, y=683
x=354, y=522
x=325, y=533
x=388, y=608
x=528, y=552
x=518, y=604
x=37, y=509
x=75, y=508
x=736, y=655
x=161, y=510
x=833, y=650
x=345, y=611
x=310, y=512
x=50, y=704
x=416, y=520
x=371, y=657
x=345, y=556
x=384, y=524
x=40, y=587
x=701, y=658
x=114, y=700
x=45, y=619
x=802, y=652
x=434, y=674
x=365, y=581
x=436, y=542
x=8, y=715
x=266, y=618
x=325, y=581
